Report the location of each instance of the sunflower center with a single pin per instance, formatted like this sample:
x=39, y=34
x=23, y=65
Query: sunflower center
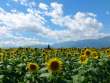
x=32, y=67
x=87, y=53
x=107, y=51
x=54, y=65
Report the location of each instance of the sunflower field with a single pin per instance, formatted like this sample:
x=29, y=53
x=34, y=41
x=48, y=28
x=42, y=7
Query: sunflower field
x=65, y=65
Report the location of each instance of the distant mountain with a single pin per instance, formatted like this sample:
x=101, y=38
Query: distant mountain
x=37, y=46
x=29, y=46
x=97, y=43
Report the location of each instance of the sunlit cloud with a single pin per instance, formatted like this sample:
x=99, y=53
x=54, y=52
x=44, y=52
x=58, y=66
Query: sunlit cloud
x=40, y=19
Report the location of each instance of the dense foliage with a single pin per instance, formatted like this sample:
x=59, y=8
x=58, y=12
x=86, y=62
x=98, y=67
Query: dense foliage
x=66, y=65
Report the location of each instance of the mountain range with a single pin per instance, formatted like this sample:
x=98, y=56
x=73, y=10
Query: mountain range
x=96, y=43
x=92, y=43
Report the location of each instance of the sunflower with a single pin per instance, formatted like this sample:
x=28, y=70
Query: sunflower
x=87, y=52
x=83, y=59
x=45, y=56
x=32, y=67
x=83, y=49
x=95, y=55
x=1, y=56
x=108, y=52
x=54, y=64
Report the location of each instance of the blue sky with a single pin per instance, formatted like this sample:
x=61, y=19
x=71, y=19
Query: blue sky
x=32, y=22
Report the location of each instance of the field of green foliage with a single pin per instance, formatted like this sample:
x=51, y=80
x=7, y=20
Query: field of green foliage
x=65, y=65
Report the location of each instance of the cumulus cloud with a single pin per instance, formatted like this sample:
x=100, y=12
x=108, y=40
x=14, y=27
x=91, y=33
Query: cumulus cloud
x=82, y=22
x=3, y=31
x=27, y=3
x=14, y=24
x=21, y=41
x=43, y=6
x=20, y=20
x=11, y=23
x=78, y=26
x=56, y=12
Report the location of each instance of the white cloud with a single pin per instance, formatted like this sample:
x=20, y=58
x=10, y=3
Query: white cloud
x=21, y=41
x=82, y=22
x=43, y=6
x=56, y=10
x=3, y=31
x=79, y=26
x=23, y=2
x=82, y=25
x=27, y=3
x=20, y=22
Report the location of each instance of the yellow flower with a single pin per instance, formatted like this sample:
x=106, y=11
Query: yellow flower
x=83, y=59
x=1, y=56
x=95, y=55
x=32, y=67
x=83, y=49
x=108, y=52
x=54, y=64
x=87, y=52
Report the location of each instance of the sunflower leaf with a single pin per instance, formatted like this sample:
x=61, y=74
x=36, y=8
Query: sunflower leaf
x=45, y=75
